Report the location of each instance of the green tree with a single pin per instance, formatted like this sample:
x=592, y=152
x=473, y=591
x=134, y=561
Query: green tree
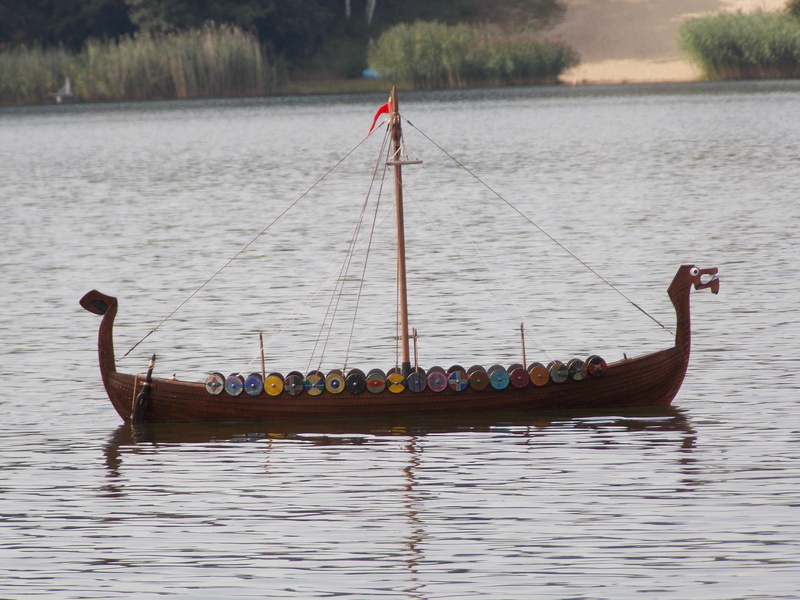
x=295, y=28
x=61, y=22
x=522, y=14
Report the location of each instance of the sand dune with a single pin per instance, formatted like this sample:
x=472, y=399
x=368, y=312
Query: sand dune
x=636, y=40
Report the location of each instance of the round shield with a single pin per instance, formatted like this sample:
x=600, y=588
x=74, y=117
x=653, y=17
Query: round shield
x=334, y=382
x=416, y=381
x=355, y=382
x=596, y=366
x=376, y=381
x=215, y=383
x=539, y=374
x=396, y=382
x=478, y=378
x=519, y=377
x=234, y=384
x=498, y=378
x=294, y=383
x=253, y=385
x=457, y=379
x=273, y=384
x=558, y=371
x=437, y=380
x=314, y=383
x=578, y=369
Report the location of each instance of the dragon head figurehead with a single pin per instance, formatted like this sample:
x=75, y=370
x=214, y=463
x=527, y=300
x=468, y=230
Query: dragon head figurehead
x=690, y=275
x=686, y=277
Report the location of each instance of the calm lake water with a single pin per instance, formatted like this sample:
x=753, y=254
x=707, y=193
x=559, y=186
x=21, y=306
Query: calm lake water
x=147, y=201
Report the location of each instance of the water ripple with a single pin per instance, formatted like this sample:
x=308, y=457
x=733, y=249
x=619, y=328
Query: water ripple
x=142, y=201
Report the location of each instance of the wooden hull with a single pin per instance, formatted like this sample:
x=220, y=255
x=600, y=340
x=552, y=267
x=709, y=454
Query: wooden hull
x=650, y=380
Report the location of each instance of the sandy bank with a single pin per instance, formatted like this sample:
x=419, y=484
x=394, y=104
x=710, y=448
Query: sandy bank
x=637, y=40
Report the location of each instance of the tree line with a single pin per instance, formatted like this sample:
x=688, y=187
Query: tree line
x=296, y=30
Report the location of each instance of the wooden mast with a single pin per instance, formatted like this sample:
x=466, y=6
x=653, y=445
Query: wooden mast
x=397, y=161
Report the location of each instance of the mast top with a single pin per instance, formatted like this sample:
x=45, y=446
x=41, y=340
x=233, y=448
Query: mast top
x=397, y=134
x=394, y=118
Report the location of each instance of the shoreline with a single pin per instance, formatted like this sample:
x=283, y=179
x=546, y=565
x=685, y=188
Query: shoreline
x=630, y=70
x=373, y=86
x=619, y=42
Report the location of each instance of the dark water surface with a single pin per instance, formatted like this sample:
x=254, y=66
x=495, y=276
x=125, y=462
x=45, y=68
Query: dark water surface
x=146, y=201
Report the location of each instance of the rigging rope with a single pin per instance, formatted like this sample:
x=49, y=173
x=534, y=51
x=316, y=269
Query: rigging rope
x=317, y=289
x=500, y=301
x=338, y=290
x=366, y=260
x=537, y=226
x=345, y=267
x=248, y=244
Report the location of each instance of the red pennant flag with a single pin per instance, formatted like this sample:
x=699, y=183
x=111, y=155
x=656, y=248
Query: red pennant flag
x=382, y=110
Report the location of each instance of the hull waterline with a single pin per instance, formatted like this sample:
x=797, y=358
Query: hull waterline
x=649, y=380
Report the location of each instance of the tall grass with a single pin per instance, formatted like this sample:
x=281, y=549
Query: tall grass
x=217, y=60
x=434, y=55
x=27, y=73
x=744, y=46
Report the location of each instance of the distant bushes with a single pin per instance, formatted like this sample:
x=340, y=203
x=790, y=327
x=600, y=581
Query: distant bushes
x=216, y=60
x=434, y=55
x=744, y=46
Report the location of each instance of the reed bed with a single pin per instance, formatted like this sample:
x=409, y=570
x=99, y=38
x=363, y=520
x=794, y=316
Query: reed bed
x=30, y=73
x=434, y=55
x=744, y=46
x=215, y=61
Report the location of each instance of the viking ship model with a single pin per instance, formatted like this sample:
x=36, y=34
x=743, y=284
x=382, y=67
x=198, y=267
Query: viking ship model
x=649, y=380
